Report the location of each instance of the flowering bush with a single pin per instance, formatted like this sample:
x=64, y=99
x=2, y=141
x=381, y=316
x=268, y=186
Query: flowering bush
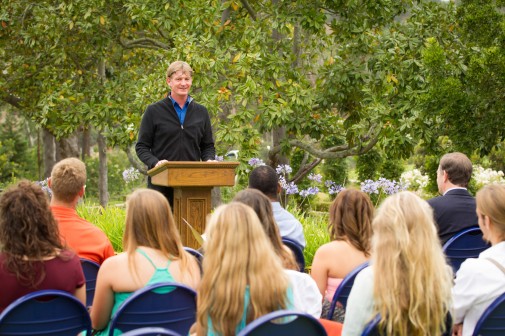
x=377, y=189
x=45, y=187
x=131, y=175
x=414, y=180
x=483, y=176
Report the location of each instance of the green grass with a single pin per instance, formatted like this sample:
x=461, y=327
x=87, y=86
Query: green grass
x=111, y=220
x=315, y=229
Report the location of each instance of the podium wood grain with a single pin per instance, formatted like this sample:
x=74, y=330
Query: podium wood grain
x=193, y=183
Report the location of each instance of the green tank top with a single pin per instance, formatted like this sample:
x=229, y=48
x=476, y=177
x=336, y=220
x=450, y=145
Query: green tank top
x=160, y=275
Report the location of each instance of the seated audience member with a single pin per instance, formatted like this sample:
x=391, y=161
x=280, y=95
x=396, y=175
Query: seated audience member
x=243, y=278
x=455, y=209
x=32, y=256
x=67, y=182
x=409, y=282
x=265, y=179
x=306, y=295
x=153, y=254
x=350, y=229
x=479, y=281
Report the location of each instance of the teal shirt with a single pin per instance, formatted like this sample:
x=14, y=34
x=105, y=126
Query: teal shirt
x=243, y=321
x=160, y=275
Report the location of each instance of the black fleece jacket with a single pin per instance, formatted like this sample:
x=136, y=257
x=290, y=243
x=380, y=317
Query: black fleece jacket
x=162, y=137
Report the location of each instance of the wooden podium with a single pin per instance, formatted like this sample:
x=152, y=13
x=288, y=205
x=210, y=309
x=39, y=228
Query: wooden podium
x=193, y=182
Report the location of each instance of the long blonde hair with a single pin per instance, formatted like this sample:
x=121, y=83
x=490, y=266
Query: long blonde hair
x=490, y=203
x=149, y=222
x=412, y=282
x=263, y=208
x=238, y=254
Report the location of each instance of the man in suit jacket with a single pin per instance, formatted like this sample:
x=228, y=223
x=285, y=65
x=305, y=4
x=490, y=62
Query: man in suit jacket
x=455, y=209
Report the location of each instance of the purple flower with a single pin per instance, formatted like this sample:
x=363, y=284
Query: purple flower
x=45, y=187
x=219, y=158
x=291, y=188
x=315, y=177
x=255, y=162
x=370, y=187
x=131, y=174
x=283, y=169
x=333, y=188
x=311, y=191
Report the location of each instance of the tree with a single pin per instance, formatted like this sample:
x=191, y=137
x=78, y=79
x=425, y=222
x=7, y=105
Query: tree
x=303, y=70
x=465, y=100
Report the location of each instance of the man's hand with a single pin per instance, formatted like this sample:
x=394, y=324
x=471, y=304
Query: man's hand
x=457, y=329
x=160, y=162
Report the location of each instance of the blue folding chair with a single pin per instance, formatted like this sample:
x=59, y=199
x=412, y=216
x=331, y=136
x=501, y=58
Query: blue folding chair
x=151, y=331
x=467, y=243
x=196, y=254
x=344, y=289
x=90, y=269
x=167, y=305
x=492, y=321
x=44, y=313
x=297, y=251
x=372, y=327
x=284, y=323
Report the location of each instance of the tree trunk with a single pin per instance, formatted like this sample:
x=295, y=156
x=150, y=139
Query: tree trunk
x=102, y=170
x=67, y=147
x=86, y=146
x=49, y=152
x=103, y=184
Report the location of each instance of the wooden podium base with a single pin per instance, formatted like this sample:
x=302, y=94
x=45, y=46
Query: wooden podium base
x=191, y=204
x=193, y=183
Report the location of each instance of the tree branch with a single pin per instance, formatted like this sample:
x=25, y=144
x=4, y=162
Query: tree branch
x=249, y=9
x=145, y=42
x=134, y=161
x=304, y=170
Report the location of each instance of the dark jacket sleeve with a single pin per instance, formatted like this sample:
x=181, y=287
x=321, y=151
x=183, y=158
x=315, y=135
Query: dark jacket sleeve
x=145, y=140
x=207, y=143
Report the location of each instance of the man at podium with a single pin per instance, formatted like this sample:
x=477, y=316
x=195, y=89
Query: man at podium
x=175, y=128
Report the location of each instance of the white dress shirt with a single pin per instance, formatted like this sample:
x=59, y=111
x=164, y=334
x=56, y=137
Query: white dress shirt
x=478, y=283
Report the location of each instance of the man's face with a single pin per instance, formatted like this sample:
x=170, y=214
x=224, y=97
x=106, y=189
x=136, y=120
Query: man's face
x=180, y=83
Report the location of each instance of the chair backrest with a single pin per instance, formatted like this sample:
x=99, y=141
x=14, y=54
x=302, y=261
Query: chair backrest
x=344, y=289
x=90, y=269
x=297, y=251
x=465, y=244
x=372, y=327
x=196, y=254
x=45, y=312
x=492, y=321
x=284, y=323
x=151, y=331
x=167, y=305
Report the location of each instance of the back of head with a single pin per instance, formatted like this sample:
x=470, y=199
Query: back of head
x=491, y=202
x=265, y=179
x=263, y=208
x=412, y=277
x=27, y=229
x=351, y=219
x=458, y=168
x=67, y=179
x=238, y=254
x=149, y=222
x=179, y=66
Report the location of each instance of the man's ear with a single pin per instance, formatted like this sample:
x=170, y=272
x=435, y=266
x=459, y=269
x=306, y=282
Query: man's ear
x=81, y=192
x=279, y=188
x=445, y=176
x=49, y=182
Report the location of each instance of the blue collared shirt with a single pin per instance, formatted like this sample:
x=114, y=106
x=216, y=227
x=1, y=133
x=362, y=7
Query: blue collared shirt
x=181, y=111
